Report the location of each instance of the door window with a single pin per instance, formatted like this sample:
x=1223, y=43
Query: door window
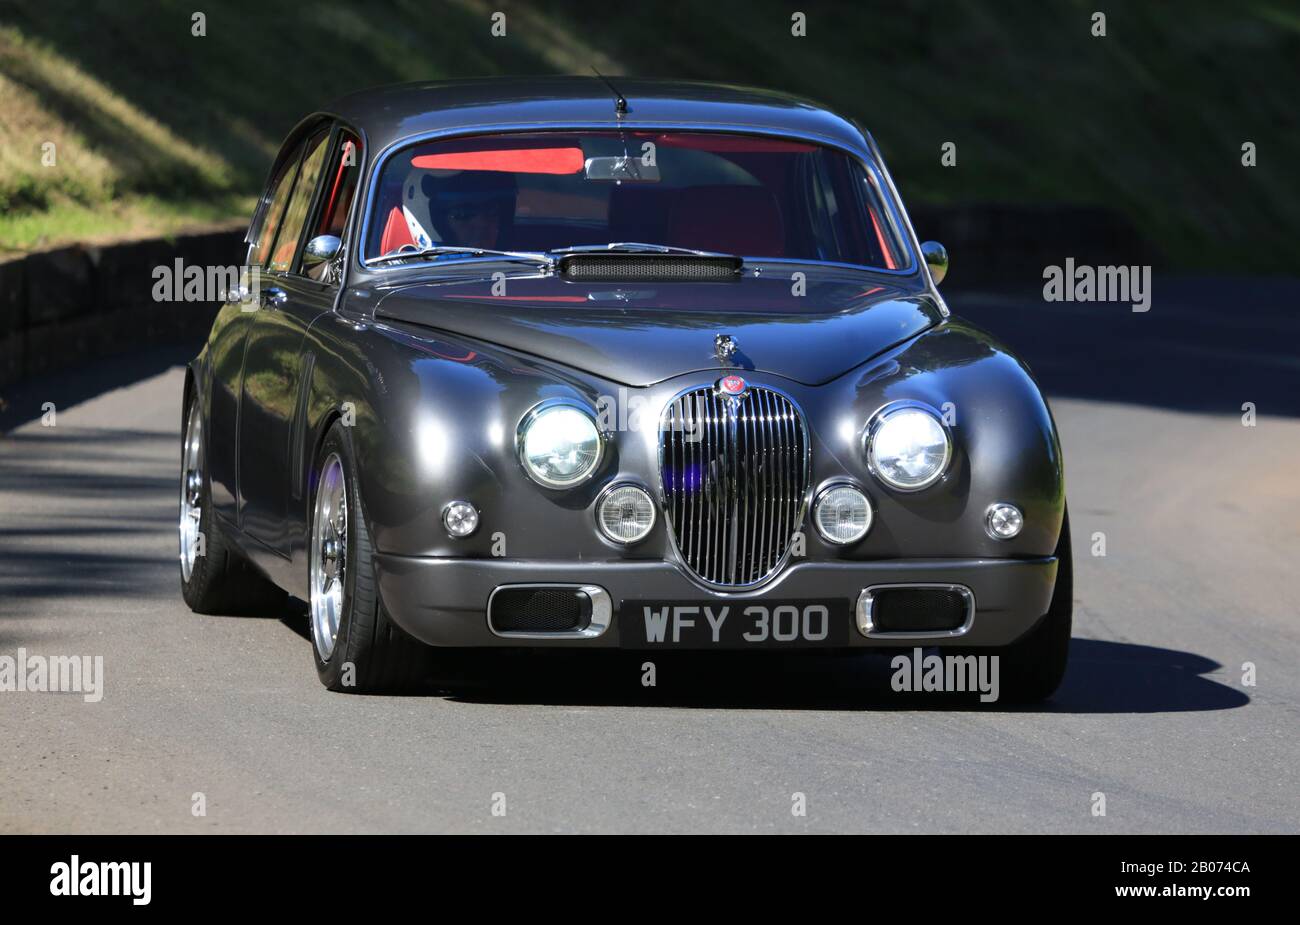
x=290, y=228
x=340, y=186
x=267, y=222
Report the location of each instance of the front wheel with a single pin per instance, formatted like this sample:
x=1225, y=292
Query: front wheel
x=356, y=646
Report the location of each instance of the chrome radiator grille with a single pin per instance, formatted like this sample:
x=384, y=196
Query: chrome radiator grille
x=734, y=475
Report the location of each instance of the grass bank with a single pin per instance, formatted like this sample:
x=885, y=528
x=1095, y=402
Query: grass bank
x=155, y=128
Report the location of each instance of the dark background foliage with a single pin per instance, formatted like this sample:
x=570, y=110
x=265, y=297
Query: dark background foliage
x=1147, y=122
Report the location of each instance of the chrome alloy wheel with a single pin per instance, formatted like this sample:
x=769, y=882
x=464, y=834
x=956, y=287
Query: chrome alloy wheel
x=191, y=491
x=329, y=554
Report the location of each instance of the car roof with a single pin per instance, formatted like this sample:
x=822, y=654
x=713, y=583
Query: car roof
x=397, y=112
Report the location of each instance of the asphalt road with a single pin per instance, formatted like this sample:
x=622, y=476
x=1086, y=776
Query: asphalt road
x=1201, y=517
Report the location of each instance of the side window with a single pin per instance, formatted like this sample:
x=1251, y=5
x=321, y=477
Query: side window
x=340, y=186
x=295, y=213
x=277, y=197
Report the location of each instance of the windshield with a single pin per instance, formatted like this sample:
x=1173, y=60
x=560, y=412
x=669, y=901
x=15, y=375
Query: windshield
x=747, y=195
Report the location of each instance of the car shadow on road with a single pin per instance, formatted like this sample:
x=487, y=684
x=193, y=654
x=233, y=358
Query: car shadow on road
x=1103, y=677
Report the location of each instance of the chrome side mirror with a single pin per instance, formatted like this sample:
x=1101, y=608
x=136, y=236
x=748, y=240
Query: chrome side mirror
x=320, y=249
x=936, y=258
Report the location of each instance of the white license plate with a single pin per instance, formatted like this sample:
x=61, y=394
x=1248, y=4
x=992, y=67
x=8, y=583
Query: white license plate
x=733, y=624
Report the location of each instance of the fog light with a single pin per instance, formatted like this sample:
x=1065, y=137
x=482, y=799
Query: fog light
x=842, y=514
x=460, y=518
x=1003, y=521
x=625, y=514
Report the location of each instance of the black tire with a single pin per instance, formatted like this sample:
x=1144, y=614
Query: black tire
x=221, y=580
x=1033, y=667
x=371, y=653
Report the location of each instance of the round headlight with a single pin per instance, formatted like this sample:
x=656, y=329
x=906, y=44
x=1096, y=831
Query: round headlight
x=625, y=514
x=842, y=514
x=908, y=448
x=559, y=445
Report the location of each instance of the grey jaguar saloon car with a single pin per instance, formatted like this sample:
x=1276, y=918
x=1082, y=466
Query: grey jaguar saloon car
x=653, y=366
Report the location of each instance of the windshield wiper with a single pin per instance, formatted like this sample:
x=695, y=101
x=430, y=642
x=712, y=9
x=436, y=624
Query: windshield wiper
x=443, y=249
x=635, y=247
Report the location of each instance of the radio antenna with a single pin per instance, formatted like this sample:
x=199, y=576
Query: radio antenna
x=620, y=101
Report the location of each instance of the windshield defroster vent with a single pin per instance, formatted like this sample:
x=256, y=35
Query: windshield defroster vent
x=648, y=267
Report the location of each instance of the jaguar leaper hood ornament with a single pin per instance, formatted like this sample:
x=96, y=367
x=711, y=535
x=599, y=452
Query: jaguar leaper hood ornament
x=724, y=347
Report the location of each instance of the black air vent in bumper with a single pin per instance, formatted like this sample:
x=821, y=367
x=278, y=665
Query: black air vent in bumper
x=916, y=610
x=543, y=610
x=540, y=610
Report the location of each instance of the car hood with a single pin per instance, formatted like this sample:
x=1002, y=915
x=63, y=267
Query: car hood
x=641, y=333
